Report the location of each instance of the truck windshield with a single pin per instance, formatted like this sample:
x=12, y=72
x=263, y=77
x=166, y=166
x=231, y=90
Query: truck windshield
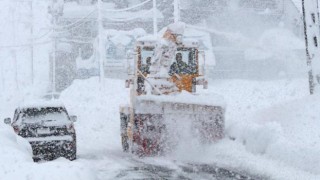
x=188, y=56
x=185, y=62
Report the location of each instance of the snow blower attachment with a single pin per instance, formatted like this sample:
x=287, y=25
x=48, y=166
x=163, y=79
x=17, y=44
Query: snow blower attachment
x=163, y=98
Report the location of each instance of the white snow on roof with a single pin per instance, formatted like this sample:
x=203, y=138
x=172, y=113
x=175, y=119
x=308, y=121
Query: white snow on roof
x=40, y=104
x=50, y=138
x=121, y=39
x=124, y=37
x=177, y=28
x=134, y=32
x=149, y=38
x=190, y=35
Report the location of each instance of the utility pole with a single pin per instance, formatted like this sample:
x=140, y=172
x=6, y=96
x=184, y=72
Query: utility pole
x=155, y=18
x=31, y=46
x=310, y=11
x=100, y=43
x=14, y=51
x=176, y=11
x=56, y=10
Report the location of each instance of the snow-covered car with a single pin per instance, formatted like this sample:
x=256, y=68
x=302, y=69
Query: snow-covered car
x=48, y=128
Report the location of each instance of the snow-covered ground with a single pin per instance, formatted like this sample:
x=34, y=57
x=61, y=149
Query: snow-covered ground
x=271, y=126
x=16, y=162
x=274, y=124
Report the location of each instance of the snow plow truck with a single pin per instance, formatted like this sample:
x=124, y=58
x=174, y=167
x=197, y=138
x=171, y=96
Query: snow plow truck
x=164, y=101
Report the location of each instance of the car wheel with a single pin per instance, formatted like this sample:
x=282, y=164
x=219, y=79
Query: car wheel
x=71, y=153
x=73, y=156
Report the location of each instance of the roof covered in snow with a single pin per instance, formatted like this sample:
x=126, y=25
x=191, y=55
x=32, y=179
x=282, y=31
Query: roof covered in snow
x=40, y=104
x=149, y=38
x=121, y=39
x=177, y=28
x=134, y=32
x=124, y=37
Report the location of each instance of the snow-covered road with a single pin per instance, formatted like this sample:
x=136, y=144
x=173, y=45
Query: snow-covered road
x=131, y=167
x=99, y=132
x=262, y=116
x=118, y=165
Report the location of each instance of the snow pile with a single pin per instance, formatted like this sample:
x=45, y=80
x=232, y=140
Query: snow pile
x=40, y=103
x=280, y=39
x=298, y=141
x=278, y=121
x=16, y=152
x=98, y=124
x=13, y=149
x=278, y=51
x=276, y=42
x=59, y=169
x=286, y=133
x=17, y=163
x=274, y=124
x=256, y=54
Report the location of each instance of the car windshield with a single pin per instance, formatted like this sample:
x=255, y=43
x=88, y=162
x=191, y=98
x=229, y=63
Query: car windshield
x=44, y=115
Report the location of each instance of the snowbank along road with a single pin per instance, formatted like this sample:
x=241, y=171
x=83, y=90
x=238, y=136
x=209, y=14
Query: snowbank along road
x=260, y=150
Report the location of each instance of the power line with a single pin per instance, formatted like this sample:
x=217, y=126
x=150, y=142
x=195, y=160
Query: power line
x=77, y=23
x=129, y=19
x=23, y=45
x=126, y=9
x=40, y=37
x=106, y=10
x=20, y=51
x=76, y=41
x=72, y=24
